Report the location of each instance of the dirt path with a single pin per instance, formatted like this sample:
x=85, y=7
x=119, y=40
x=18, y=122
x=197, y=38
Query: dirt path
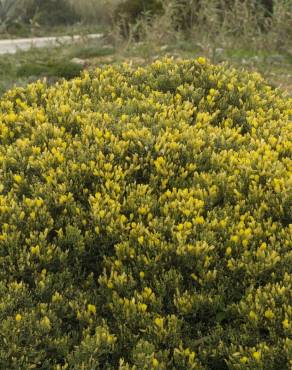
x=12, y=46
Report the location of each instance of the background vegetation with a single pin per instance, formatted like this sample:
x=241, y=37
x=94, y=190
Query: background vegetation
x=216, y=21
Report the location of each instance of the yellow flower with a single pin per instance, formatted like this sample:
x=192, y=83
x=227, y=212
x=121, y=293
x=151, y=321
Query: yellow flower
x=110, y=285
x=155, y=362
x=188, y=225
x=123, y=218
x=257, y=355
x=45, y=323
x=124, y=118
x=245, y=243
x=142, y=307
x=285, y=324
x=91, y=308
x=244, y=360
x=39, y=202
x=230, y=264
x=17, y=179
x=269, y=314
x=101, y=213
x=142, y=210
x=35, y=250
x=158, y=64
x=199, y=220
x=230, y=87
x=158, y=322
x=180, y=227
x=228, y=251
x=118, y=263
x=18, y=317
x=223, y=223
x=252, y=315
x=56, y=297
x=111, y=339
x=201, y=60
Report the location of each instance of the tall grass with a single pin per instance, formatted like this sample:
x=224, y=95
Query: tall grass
x=213, y=24
x=12, y=11
x=209, y=24
x=92, y=11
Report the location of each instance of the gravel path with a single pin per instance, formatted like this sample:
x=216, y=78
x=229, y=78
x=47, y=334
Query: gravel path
x=12, y=46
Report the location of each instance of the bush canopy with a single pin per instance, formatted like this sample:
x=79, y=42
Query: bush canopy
x=145, y=221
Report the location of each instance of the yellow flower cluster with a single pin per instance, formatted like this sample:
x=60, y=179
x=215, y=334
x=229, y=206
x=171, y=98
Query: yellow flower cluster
x=145, y=220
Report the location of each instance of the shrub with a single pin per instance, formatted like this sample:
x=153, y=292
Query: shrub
x=11, y=13
x=188, y=13
x=129, y=12
x=145, y=220
x=133, y=9
x=59, y=69
x=51, y=12
x=92, y=11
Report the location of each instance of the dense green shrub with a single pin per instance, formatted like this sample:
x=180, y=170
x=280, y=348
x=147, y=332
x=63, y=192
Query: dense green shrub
x=128, y=12
x=145, y=221
x=189, y=10
x=62, y=69
x=51, y=12
x=11, y=13
x=133, y=9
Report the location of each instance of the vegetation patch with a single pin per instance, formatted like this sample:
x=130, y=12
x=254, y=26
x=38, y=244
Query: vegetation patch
x=145, y=221
x=94, y=51
x=54, y=63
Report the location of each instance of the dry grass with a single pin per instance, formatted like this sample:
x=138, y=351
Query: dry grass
x=95, y=10
x=245, y=24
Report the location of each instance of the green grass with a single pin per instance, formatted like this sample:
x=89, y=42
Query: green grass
x=274, y=66
x=54, y=63
x=93, y=52
x=62, y=69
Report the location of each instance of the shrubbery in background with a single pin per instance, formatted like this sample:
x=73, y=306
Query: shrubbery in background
x=51, y=12
x=263, y=24
x=145, y=221
x=95, y=11
x=128, y=12
x=11, y=12
x=255, y=24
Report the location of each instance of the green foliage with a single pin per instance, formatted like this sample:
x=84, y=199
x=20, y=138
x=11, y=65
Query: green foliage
x=133, y=9
x=93, y=52
x=145, y=221
x=51, y=12
x=62, y=69
x=65, y=70
x=186, y=13
x=6, y=8
x=15, y=14
x=130, y=11
x=11, y=12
